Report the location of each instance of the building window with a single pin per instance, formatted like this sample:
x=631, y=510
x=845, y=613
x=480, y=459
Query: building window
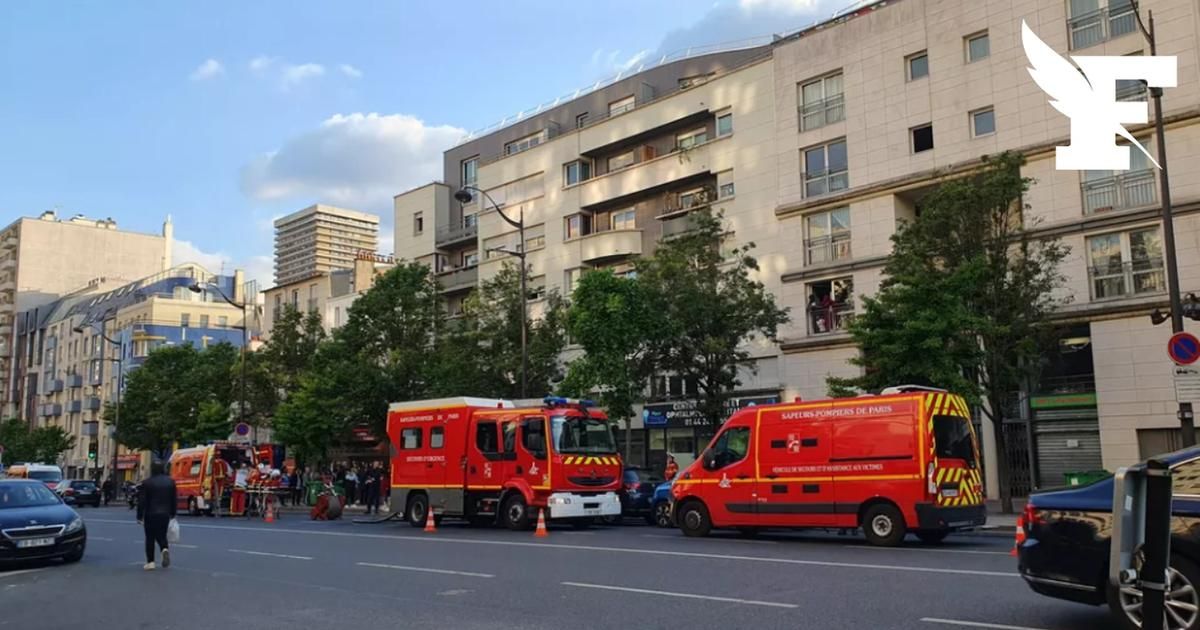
x=571, y=279
x=575, y=226
x=825, y=169
x=1094, y=21
x=1126, y=264
x=418, y=223
x=337, y=316
x=621, y=161
x=222, y=321
x=828, y=236
x=470, y=173
x=296, y=298
x=922, y=138
x=523, y=144
x=830, y=306
x=689, y=82
x=977, y=47
x=1120, y=190
x=184, y=320
x=581, y=120
x=577, y=171
x=204, y=321
x=983, y=122
x=470, y=220
x=624, y=219
x=535, y=242
x=726, y=190
x=690, y=139
x=918, y=66
x=724, y=125
x=621, y=106
x=470, y=259
x=821, y=102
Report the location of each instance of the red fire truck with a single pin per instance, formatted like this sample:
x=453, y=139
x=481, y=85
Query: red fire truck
x=488, y=461
x=904, y=461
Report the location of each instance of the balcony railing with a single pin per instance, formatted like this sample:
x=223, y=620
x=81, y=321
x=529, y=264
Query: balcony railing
x=1102, y=25
x=74, y=380
x=74, y=406
x=91, y=429
x=827, y=248
x=823, y=112
x=1118, y=280
x=824, y=320
x=677, y=225
x=1073, y=384
x=448, y=234
x=456, y=279
x=1133, y=189
x=818, y=183
x=92, y=403
x=1135, y=91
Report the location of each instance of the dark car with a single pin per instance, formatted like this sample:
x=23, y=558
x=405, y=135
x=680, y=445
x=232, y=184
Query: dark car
x=636, y=491
x=35, y=524
x=1067, y=538
x=79, y=492
x=660, y=504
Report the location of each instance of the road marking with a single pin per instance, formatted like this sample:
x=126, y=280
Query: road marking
x=4, y=574
x=170, y=546
x=273, y=555
x=970, y=551
x=424, y=570
x=650, y=552
x=975, y=624
x=646, y=591
x=732, y=540
x=101, y=538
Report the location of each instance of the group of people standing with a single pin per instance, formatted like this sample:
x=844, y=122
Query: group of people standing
x=367, y=485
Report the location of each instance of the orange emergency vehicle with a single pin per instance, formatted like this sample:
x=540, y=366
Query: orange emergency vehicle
x=488, y=461
x=202, y=473
x=904, y=461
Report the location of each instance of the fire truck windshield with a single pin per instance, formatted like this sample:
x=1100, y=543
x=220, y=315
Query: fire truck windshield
x=582, y=435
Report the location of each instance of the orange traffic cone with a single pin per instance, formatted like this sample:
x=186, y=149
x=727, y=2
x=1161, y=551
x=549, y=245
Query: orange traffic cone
x=270, y=513
x=541, y=526
x=430, y=526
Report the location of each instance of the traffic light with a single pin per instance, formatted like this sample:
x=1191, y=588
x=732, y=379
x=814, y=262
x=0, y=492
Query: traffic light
x=92, y=448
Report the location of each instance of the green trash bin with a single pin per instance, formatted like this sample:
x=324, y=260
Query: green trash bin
x=313, y=489
x=1086, y=477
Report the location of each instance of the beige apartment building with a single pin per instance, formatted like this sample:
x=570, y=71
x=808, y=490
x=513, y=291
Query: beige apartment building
x=319, y=239
x=329, y=293
x=46, y=257
x=817, y=147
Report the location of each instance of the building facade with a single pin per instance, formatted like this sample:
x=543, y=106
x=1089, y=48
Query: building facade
x=328, y=293
x=320, y=239
x=817, y=147
x=69, y=371
x=40, y=262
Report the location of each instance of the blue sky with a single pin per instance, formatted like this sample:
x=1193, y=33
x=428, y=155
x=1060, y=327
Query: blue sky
x=226, y=114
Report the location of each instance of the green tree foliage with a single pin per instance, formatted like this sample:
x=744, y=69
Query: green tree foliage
x=23, y=443
x=967, y=298
x=279, y=365
x=708, y=309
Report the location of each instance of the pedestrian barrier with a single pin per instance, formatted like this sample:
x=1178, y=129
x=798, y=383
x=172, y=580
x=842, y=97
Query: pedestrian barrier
x=541, y=526
x=430, y=526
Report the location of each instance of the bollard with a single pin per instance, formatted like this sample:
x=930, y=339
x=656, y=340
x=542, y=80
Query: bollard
x=1154, y=578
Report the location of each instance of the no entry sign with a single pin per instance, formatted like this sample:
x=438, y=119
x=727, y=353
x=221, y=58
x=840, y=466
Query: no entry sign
x=1184, y=348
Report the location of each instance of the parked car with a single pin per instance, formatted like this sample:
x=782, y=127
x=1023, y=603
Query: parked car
x=660, y=504
x=637, y=488
x=79, y=492
x=1067, y=535
x=35, y=524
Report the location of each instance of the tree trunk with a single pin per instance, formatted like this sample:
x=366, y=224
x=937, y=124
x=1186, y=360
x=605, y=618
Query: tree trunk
x=1001, y=463
x=628, y=439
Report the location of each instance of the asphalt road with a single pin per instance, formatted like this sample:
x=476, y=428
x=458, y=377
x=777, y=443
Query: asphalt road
x=297, y=573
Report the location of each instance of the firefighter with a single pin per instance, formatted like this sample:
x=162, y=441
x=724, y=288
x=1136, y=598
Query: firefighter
x=672, y=468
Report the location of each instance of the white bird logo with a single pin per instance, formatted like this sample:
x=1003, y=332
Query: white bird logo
x=1070, y=91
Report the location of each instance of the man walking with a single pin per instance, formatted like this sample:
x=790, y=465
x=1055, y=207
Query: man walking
x=157, y=503
x=371, y=488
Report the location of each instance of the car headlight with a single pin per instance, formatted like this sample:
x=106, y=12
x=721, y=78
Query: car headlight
x=75, y=525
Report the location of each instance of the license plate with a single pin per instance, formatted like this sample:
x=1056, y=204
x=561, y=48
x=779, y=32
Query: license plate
x=34, y=542
x=591, y=511
x=949, y=493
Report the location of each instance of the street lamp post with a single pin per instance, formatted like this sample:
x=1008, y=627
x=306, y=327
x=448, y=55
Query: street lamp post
x=1186, y=416
x=120, y=361
x=197, y=288
x=463, y=196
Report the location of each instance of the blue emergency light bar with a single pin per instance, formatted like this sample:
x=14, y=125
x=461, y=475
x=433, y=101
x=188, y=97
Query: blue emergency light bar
x=560, y=401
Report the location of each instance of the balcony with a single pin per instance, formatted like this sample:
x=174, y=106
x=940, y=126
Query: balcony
x=92, y=403
x=1094, y=27
x=826, y=320
x=1118, y=280
x=51, y=409
x=817, y=183
x=6, y=329
x=51, y=386
x=74, y=406
x=8, y=264
x=449, y=235
x=1132, y=189
x=599, y=246
x=1132, y=91
x=458, y=279
x=8, y=242
x=91, y=429
x=823, y=112
x=677, y=225
x=74, y=380
x=829, y=248
x=648, y=174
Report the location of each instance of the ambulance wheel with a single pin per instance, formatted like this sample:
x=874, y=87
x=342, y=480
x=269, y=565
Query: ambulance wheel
x=417, y=510
x=694, y=519
x=932, y=536
x=884, y=525
x=514, y=512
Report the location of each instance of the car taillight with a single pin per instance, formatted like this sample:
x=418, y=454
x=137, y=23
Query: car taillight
x=69, y=491
x=1030, y=515
x=630, y=487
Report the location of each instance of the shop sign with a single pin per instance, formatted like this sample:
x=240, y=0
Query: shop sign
x=1063, y=400
x=685, y=413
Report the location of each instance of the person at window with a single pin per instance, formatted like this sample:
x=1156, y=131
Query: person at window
x=827, y=305
x=814, y=312
x=672, y=468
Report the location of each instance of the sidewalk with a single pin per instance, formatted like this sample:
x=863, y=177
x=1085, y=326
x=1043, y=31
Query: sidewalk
x=999, y=524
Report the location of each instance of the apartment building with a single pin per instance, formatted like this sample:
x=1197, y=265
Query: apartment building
x=329, y=293
x=816, y=147
x=46, y=257
x=320, y=239
x=69, y=370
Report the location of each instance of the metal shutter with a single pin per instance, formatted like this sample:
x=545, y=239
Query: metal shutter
x=1068, y=440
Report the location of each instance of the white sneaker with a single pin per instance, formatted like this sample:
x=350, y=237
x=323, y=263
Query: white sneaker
x=166, y=558
x=149, y=566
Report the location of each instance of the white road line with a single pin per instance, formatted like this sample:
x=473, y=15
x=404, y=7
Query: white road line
x=969, y=551
x=4, y=574
x=646, y=591
x=650, y=552
x=975, y=624
x=172, y=545
x=273, y=555
x=100, y=538
x=424, y=570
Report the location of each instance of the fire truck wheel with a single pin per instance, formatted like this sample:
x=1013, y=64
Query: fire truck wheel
x=694, y=519
x=884, y=525
x=514, y=512
x=417, y=510
x=932, y=536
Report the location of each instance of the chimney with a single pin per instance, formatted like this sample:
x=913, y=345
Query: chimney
x=239, y=288
x=168, y=232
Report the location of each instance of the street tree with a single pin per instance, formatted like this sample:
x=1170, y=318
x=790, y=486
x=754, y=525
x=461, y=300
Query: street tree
x=277, y=367
x=23, y=443
x=709, y=309
x=967, y=298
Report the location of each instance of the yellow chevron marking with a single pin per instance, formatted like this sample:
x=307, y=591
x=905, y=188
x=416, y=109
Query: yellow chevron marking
x=941, y=474
x=568, y=460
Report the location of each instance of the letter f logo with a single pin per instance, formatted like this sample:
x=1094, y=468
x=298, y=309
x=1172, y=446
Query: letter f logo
x=1089, y=100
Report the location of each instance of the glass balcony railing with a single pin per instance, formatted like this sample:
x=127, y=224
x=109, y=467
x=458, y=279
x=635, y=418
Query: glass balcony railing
x=824, y=320
x=818, y=183
x=828, y=248
x=823, y=112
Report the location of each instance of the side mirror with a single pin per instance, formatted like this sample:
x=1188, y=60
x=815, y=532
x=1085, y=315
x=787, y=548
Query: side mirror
x=710, y=460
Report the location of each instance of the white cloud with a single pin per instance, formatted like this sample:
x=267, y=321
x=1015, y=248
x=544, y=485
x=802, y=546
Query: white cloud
x=612, y=61
x=211, y=68
x=350, y=71
x=779, y=6
x=295, y=74
x=745, y=19
x=261, y=63
x=357, y=160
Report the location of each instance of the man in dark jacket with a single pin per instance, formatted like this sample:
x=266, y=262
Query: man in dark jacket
x=157, y=502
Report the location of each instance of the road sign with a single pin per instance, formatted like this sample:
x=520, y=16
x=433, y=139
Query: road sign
x=1187, y=384
x=241, y=429
x=1184, y=348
